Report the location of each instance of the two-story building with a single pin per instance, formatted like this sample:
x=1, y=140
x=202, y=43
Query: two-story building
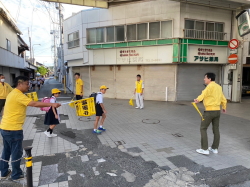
x=12, y=47
x=172, y=44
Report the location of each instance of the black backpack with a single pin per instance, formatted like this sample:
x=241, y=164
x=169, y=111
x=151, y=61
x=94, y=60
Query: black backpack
x=94, y=94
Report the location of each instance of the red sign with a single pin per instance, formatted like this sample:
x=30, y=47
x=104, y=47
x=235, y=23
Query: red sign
x=233, y=44
x=233, y=59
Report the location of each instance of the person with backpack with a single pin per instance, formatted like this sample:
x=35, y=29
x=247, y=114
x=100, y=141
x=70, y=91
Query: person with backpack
x=52, y=116
x=100, y=110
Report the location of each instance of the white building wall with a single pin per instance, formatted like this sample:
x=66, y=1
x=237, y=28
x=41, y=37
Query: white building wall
x=197, y=12
x=137, y=12
x=7, y=32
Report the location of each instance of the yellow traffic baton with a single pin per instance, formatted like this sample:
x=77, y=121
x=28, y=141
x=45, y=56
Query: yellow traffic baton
x=28, y=159
x=197, y=109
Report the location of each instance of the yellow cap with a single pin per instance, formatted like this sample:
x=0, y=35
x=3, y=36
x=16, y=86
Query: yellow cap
x=104, y=87
x=55, y=90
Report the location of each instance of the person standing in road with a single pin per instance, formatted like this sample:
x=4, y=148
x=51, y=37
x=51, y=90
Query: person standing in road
x=79, y=87
x=5, y=89
x=212, y=97
x=139, y=89
x=38, y=83
x=11, y=127
x=100, y=110
x=34, y=82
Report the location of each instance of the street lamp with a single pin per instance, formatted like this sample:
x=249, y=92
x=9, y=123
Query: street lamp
x=33, y=52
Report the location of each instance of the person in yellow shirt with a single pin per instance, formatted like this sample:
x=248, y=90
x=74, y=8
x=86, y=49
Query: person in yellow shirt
x=5, y=89
x=11, y=127
x=212, y=97
x=79, y=87
x=139, y=89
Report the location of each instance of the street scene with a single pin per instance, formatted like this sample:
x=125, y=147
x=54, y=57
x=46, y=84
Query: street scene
x=124, y=93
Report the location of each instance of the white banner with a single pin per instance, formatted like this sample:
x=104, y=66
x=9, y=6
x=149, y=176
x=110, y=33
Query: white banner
x=207, y=54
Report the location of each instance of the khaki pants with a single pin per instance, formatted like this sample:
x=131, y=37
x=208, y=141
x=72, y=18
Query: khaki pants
x=214, y=118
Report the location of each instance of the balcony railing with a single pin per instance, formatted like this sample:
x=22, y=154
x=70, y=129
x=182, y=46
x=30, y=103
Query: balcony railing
x=210, y=35
x=10, y=59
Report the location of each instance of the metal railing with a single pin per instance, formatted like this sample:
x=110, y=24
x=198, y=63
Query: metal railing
x=199, y=34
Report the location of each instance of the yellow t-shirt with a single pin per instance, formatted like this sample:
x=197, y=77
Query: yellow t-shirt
x=139, y=85
x=5, y=90
x=15, y=111
x=79, y=84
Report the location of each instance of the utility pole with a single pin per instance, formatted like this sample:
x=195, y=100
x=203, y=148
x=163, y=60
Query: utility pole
x=31, y=60
x=62, y=69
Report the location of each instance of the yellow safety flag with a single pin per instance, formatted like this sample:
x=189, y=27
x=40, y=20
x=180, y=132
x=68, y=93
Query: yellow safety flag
x=196, y=107
x=72, y=104
x=32, y=95
x=131, y=102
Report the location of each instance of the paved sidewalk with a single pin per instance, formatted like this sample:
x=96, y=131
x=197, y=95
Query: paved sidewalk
x=163, y=134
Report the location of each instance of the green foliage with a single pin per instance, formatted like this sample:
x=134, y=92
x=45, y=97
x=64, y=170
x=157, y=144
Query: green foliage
x=42, y=70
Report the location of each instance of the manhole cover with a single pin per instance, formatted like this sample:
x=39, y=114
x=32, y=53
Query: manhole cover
x=121, y=142
x=182, y=104
x=84, y=119
x=151, y=121
x=177, y=135
x=116, y=104
x=69, y=134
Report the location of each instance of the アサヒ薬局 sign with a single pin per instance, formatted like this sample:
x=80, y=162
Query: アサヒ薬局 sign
x=207, y=54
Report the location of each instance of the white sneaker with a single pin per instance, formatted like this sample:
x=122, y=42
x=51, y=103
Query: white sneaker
x=141, y=108
x=137, y=107
x=215, y=151
x=53, y=135
x=201, y=151
x=47, y=134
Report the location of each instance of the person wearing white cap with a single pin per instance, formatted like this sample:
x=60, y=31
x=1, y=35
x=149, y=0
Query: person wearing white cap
x=100, y=110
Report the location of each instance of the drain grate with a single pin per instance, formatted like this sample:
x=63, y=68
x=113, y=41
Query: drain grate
x=121, y=142
x=177, y=135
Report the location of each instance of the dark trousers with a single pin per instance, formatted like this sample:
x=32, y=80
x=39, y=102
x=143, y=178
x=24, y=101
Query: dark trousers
x=2, y=103
x=214, y=118
x=12, y=146
x=78, y=97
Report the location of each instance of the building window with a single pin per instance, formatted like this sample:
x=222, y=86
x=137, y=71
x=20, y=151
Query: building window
x=8, y=45
x=100, y=35
x=91, y=35
x=204, y=30
x=131, y=32
x=73, y=40
x=142, y=31
x=110, y=36
x=134, y=32
x=119, y=33
x=154, y=30
x=166, y=29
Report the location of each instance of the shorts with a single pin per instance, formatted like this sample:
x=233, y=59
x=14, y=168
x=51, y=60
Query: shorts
x=33, y=85
x=78, y=97
x=99, y=110
x=2, y=103
x=38, y=85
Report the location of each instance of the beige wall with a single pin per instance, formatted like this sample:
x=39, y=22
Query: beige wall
x=121, y=80
x=8, y=33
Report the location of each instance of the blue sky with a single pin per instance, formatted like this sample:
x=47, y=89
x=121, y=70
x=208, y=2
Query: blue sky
x=34, y=14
